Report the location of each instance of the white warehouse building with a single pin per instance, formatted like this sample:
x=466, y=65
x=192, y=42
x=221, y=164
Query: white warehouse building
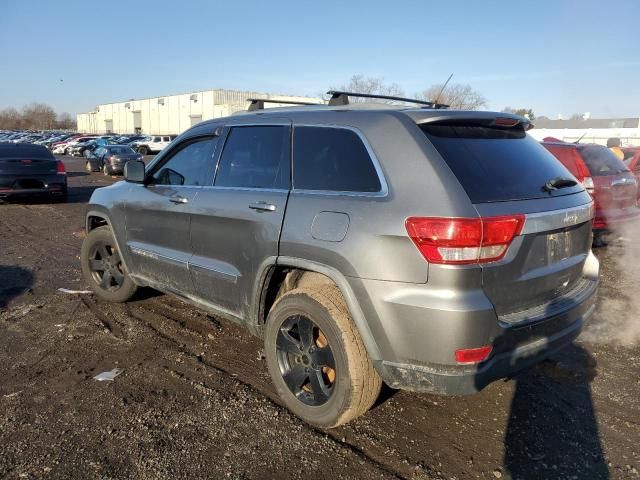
x=172, y=114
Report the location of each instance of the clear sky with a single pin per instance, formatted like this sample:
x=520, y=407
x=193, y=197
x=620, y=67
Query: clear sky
x=553, y=56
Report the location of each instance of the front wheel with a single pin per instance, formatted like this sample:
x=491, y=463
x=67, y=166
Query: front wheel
x=143, y=150
x=103, y=269
x=316, y=358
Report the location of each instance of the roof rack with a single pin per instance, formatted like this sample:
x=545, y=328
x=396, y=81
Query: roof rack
x=342, y=98
x=258, y=103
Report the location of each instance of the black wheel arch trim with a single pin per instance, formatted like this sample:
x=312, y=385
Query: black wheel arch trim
x=341, y=282
x=101, y=212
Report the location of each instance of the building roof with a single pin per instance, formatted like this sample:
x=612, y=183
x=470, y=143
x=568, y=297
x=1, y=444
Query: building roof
x=589, y=123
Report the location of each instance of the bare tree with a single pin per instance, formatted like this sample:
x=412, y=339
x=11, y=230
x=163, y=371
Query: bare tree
x=36, y=116
x=375, y=85
x=39, y=116
x=458, y=96
x=10, y=119
x=66, y=122
x=523, y=112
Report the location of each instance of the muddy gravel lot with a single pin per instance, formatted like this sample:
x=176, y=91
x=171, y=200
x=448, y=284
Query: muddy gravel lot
x=194, y=399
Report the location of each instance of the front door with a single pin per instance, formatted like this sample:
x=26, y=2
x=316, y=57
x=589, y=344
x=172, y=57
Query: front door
x=159, y=214
x=236, y=223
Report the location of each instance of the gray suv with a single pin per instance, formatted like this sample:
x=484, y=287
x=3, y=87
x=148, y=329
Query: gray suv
x=429, y=249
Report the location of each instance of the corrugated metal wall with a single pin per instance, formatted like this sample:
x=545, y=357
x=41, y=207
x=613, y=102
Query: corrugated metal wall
x=171, y=114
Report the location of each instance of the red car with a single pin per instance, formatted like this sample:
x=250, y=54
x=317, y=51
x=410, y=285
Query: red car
x=613, y=187
x=632, y=159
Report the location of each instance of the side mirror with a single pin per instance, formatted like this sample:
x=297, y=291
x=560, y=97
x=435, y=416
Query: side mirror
x=134, y=171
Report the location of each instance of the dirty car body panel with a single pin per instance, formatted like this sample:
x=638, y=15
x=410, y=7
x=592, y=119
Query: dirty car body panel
x=214, y=241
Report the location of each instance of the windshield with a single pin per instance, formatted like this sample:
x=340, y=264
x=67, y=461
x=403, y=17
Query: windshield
x=601, y=161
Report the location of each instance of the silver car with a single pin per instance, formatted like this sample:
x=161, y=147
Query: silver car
x=429, y=249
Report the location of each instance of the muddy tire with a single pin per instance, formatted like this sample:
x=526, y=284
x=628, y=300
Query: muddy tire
x=316, y=358
x=102, y=267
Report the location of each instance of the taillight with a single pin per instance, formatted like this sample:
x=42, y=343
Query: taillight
x=460, y=241
x=469, y=356
x=60, y=168
x=587, y=183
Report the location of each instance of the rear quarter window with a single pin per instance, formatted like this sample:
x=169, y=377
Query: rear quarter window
x=497, y=164
x=332, y=159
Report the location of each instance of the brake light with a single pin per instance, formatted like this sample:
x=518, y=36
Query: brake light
x=60, y=168
x=469, y=356
x=506, y=122
x=460, y=241
x=587, y=183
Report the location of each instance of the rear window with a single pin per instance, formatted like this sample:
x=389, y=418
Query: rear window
x=601, y=161
x=11, y=150
x=497, y=164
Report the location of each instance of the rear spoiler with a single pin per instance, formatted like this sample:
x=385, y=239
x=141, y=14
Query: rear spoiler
x=488, y=119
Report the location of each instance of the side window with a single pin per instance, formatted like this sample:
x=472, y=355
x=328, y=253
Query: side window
x=332, y=159
x=189, y=164
x=166, y=139
x=255, y=157
x=155, y=139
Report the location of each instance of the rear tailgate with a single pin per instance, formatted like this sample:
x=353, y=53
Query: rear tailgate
x=24, y=166
x=506, y=172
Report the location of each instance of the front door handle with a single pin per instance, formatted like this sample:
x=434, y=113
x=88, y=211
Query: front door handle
x=262, y=206
x=178, y=199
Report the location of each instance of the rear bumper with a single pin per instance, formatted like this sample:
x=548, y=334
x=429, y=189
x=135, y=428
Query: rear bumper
x=418, y=331
x=613, y=219
x=54, y=185
x=464, y=380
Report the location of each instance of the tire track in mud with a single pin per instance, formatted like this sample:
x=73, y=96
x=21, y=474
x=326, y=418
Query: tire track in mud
x=112, y=326
x=245, y=374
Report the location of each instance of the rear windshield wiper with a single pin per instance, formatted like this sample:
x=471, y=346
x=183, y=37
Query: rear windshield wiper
x=559, y=182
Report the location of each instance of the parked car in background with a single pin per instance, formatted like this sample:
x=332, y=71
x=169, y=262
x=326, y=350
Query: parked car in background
x=66, y=149
x=152, y=144
x=111, y=159
x=632, y=159
x=79, y=149
x=28, y=170
x=434, y=250
x=613, y=187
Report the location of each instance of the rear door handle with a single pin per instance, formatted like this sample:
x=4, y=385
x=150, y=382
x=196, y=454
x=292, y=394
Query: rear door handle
x=262, y=206
x=178, y=199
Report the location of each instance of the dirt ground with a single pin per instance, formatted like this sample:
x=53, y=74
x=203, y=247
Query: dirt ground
x=195, y=400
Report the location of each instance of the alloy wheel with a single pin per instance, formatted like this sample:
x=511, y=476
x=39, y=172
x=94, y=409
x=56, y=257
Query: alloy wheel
x=306, y=360
x=106, y=267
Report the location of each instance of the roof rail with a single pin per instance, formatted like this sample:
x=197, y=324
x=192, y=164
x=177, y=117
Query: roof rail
x=258, y=103
x=342, y=98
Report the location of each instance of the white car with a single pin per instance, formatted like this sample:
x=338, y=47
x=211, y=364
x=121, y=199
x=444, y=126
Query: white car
x=65, y=148
x=152, y=144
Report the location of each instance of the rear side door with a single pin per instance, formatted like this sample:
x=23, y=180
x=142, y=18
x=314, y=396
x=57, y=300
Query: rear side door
x=158, y=213
x=236, y=223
